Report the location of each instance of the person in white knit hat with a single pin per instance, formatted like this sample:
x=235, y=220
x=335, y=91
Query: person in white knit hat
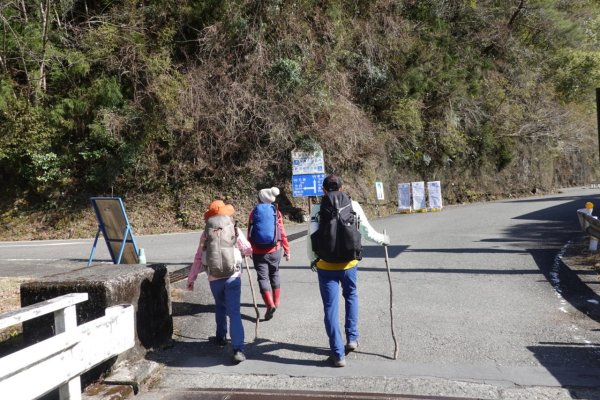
x=267, y=235
x=268, y=195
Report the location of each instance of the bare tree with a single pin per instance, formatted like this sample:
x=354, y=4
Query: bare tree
x=7, y=27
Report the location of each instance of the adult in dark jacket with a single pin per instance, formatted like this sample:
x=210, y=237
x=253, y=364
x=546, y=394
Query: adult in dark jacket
x=333, y=274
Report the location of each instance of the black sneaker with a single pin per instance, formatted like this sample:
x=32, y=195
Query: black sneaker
x=221, y=341
x=238, y=357
x=269, y=313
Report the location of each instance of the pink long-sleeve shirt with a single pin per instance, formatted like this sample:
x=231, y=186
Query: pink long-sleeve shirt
x=243, y=246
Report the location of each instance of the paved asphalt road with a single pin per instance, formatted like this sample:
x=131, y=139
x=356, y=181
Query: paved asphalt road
x=483, y=309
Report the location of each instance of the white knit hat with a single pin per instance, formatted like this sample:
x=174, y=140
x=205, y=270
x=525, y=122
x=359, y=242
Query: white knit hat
x=268, y=195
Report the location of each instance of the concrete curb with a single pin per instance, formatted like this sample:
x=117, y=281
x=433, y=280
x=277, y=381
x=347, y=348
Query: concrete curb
x=580, y=283
x=127, y=380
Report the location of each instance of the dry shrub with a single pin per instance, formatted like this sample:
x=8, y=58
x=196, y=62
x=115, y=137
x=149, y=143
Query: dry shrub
x=231, y=121
x=348, y=137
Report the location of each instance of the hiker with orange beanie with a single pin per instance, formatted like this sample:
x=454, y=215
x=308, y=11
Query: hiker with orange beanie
x=219, y=254
x=267, y=235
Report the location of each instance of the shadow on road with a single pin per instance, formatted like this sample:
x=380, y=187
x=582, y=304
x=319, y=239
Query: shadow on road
x=546, y=231
x=570, y=364
x=181, y=309
x=205, y=353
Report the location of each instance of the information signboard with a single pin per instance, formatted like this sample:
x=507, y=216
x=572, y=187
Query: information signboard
x=434, y=190
x=404, y=204
x=307, y=185
x=305, y=162
x=379, y=190
x=114, y=226
x=418, y=195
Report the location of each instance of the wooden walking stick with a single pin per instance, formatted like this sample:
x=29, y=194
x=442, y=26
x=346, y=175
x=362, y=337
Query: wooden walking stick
x=253, y=298
x=387, y=265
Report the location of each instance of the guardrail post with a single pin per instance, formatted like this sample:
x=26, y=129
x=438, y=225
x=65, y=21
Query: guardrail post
x=590, y=225
x=66, y=320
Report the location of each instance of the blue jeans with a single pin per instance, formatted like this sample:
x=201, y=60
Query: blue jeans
x=329, y=282
x=227, y=293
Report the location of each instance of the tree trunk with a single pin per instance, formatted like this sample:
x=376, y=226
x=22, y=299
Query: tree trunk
x=45, y=8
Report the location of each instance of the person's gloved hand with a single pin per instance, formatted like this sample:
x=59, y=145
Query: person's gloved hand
x=287, y=257
x=386, y=239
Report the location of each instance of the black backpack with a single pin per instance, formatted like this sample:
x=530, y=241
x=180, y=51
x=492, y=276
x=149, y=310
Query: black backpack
x=338, y=238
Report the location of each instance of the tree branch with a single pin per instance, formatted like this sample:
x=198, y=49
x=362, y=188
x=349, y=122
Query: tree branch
x=516, y=13
x=6, y=24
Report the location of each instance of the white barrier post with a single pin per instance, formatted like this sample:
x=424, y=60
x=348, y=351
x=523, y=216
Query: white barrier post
x=589, y=208
x=65, y=320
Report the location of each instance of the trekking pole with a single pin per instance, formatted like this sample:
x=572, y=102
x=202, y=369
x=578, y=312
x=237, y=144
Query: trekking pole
x=387, y=265
x=253, y=298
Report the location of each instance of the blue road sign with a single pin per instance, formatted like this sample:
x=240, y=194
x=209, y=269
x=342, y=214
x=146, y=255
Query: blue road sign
x=307, y=185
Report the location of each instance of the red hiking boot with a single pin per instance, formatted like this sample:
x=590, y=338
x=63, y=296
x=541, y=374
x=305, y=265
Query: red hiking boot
x=268, y=299
x=276, y=292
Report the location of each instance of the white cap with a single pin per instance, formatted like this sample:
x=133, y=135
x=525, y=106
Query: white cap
x=268, y=195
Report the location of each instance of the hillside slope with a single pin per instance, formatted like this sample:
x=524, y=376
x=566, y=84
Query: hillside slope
x=169, y=104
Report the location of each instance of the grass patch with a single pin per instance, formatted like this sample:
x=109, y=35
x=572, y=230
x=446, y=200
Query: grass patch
x=10, y=293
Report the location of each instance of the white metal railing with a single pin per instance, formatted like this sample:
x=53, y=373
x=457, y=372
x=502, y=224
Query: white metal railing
x=590, y=225
x=60, y=360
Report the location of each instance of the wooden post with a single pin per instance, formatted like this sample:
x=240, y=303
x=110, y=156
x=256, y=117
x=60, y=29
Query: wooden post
x=253, y=298
x=387, y=266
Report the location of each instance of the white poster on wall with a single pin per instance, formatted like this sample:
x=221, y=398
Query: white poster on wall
x=434, y=190
x=418, y=196
x=379, y=190
x=404, y=197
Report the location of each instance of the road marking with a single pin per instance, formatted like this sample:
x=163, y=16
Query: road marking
x=39, y=245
